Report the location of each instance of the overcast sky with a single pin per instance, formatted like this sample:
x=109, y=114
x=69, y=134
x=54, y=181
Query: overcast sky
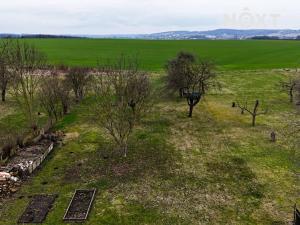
x=144, y=16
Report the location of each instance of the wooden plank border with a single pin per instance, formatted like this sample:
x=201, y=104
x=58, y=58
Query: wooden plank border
x=88, y=209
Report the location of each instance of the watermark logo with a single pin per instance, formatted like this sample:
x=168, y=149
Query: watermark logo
x=248, y=19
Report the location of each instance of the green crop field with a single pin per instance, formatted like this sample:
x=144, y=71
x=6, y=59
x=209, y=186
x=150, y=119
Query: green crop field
x=246, y=54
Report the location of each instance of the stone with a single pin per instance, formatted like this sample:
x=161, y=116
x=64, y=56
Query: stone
x=4, y=175
x=273, y=136
x=15, y=179
x=13, y=190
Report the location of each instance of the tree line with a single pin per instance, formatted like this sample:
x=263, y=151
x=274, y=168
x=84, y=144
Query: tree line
x=121, y=92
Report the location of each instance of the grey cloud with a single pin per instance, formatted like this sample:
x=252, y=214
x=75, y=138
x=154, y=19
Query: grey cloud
x=131, y=16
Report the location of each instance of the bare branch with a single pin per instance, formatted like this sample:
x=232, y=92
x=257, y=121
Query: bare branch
x=254, y=112
x=25, y=60
x=78, y=78
x=122, y=97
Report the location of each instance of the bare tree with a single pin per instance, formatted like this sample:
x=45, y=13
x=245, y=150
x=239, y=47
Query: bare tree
x=63, y=90
x=205, y=74
x=254, y=112
x=122, y=97
x=25, y=60
x=289, y=85
x=48, y=99
x=54, y=95
x=297, y=90
x=78, y=78
x=48, y=96
x=291, y=135
x=5, y=74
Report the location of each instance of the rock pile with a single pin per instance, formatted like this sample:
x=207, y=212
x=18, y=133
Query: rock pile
x=24, y=163
x=8, y=187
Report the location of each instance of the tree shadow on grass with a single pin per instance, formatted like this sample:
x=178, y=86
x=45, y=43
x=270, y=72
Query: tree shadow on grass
x=236, y=173
x=148, y=153
x=136, y=214
x=233, y=177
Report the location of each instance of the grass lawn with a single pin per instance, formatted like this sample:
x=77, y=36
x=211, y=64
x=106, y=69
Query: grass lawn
x=153, y=55
x=212, y=169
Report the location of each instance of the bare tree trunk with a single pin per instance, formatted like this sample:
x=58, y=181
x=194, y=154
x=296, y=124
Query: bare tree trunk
x=80, y=95
x=291, y=95
x=203, y=88
x=3, y=94
x=180, y=92
x=253, y=113
x=65, y=109
x=253, y=120
x=77, y=97
x=50, y=120
x=191, y=111
x=124, y=149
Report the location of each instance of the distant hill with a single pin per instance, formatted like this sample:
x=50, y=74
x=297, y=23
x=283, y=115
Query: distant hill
x=221, y=34
x=9, y=36
x=225, y=34
x=36, y=36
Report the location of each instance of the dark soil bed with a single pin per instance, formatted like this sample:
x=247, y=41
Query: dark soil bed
x=80, y=205
x=37, y=209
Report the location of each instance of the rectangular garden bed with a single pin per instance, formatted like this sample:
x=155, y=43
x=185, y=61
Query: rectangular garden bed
x=80, y=205
x=37, y=209
x=28, y=159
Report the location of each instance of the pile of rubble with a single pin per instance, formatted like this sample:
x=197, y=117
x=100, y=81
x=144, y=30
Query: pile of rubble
x=8, y=184
x=25, y=162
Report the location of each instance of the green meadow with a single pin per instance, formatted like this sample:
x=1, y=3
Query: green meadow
x=245, y=54
x=214, y=168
